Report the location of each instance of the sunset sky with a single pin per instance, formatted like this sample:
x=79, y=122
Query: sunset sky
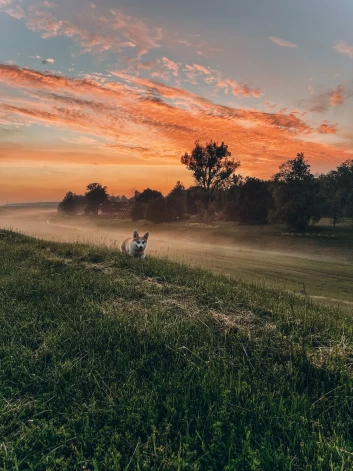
x=116, y=91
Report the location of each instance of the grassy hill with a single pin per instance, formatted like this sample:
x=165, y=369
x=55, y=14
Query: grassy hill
x=110, y=363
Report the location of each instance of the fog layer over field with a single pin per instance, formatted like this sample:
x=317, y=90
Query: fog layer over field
x=315, y=267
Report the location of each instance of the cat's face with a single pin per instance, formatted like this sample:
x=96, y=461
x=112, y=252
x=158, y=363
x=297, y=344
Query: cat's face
x=140, y=243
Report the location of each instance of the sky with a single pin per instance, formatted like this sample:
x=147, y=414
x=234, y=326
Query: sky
x=116, y=91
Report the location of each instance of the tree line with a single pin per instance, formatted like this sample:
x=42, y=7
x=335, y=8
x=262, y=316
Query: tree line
x=293, y=196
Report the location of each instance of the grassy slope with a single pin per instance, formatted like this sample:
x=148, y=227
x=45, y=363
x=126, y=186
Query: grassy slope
x=293, y=262
x=123, y=364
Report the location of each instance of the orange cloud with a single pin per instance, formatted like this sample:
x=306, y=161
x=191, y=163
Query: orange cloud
x=338, y=96
x=101, y=34
x=202, y=69
x=321, y=102
x=16, y=12
x=137, y=120
x=344, y=48
x=282, y=42
x=326, y=128
x=270, y=106
x=172, y=67
x=237, y=89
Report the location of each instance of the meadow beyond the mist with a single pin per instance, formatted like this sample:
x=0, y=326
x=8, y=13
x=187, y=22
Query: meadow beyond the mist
x=317, y=264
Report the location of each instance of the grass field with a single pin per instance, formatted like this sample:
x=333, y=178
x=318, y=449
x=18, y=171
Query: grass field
x=110, y=363
x=318, y=264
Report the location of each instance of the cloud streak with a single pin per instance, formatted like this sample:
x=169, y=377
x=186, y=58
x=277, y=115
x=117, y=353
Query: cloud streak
x=344, y=48
x=320, y=103
x=111, y=33
x=148, y=120
x=326, y=128
x=282, y=42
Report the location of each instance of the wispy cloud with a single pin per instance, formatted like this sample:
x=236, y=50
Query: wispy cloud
x=112, y=32
x=44, y=61
x=202, y=69
x=237, y=89
x=321, y=102
x=338, y=96
x=282, y=42
x=81, y=140
x=173, y=67
x=326, y=128
x=270, y=106
x=162, y=120
x=16, y=12
x=344, y=48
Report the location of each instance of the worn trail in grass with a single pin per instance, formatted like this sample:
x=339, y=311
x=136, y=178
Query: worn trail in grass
x=113, y=363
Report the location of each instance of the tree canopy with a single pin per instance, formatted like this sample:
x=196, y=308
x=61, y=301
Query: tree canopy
x=211, y=166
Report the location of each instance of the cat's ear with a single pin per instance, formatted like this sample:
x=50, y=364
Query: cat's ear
x=146, y=235
x=135, y=234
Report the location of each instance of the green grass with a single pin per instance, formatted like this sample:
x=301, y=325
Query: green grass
x=115, y=364
x=318, y=263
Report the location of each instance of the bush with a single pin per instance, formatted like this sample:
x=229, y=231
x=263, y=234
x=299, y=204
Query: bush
x=231, y=211
x=148, y=195
x=137, y=211
x=156, y=210
x=175, y=207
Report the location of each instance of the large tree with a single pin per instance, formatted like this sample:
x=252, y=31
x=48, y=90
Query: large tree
x=156, y=210
x=148, y=195
x=67, y=205
x=211, y=167
x=96, y=194
x=255, y=201
x=137, y=211
x=333, y=197
x=176, y=202
x=295, y=195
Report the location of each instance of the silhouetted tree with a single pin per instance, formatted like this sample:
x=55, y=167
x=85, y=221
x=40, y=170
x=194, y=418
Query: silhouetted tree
x=211, y=168
x=67, y=205
x=255, y=201
x=232, y=198
x=295, y=195
x=349, y=206
x=137, y=211
x=295, y=170
x=96, y=194
x=333, y=197
x=231, y=211
x=175, y=208
x=178, y=191
x=345, y=175
x=148, y=195
x=176, y=202
x=156, y=210
x=80, y=202
x=190, y=201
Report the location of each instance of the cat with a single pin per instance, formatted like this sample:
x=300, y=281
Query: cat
x=135, y=246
